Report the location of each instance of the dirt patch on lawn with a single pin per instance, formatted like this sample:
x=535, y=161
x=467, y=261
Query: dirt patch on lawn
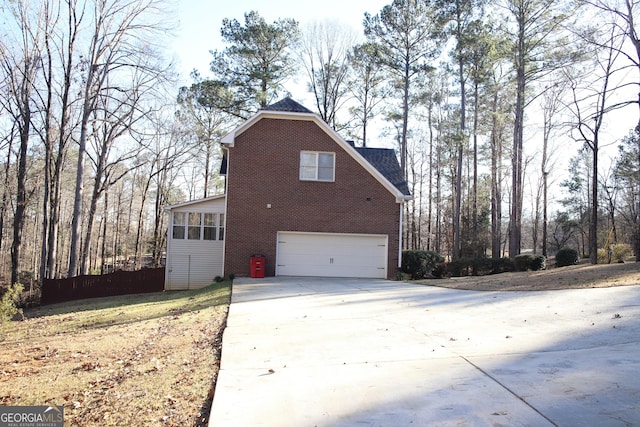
x=572, y=277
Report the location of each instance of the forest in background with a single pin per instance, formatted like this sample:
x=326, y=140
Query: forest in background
x=481, y=99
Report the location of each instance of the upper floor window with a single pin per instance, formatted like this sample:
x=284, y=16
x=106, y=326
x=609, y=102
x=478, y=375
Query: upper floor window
x=317, y=166
x=198, y=226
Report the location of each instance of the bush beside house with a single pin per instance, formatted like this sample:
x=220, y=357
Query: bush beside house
x=420, y=264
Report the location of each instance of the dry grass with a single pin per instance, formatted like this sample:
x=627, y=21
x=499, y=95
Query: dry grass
x=136, y=360
x=572, y=277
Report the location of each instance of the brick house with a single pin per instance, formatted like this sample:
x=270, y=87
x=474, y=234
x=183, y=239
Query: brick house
x=307, y=200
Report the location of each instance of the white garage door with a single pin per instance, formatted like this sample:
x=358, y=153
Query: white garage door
x=331, y=255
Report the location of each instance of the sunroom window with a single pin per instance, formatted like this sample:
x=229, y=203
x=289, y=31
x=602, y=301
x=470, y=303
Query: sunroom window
x=195, y=223
x=179, y=221
x=198, y=226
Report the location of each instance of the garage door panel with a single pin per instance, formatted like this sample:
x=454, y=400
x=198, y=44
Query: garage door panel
x=331, y=255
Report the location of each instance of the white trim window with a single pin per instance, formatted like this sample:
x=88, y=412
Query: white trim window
x=198, y=226
x=179, y=222
x=195, y=225
x=213, y=226
x=317, y=166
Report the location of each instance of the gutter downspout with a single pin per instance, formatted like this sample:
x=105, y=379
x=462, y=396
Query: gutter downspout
x=400, y=236
x=226, y=201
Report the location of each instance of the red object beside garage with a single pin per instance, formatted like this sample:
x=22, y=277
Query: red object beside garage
x=257, y=266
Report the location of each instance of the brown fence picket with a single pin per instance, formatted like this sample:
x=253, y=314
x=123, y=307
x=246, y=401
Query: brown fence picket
x=117, y=283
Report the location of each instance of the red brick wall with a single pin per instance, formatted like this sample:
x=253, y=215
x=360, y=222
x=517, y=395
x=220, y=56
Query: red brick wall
x=263, y=169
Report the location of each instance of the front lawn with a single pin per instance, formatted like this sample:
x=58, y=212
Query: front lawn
x=147, y=359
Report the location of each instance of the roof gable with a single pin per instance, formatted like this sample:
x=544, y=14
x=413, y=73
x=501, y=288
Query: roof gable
x=381, y=163
x=289, y=105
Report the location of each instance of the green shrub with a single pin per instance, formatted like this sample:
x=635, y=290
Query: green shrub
x=502, y=265
x=522, y=262
x=460, y=267
x=482, y=266
x=567, y=256
x=525, y=262
x=9, y=302
x=420, y=264
x=479, y=266
x=440, y=270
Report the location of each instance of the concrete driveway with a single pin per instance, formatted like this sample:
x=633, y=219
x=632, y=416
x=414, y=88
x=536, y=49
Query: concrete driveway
x=345, y=352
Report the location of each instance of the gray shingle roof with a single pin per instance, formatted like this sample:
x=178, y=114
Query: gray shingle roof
x=288, y=105
x=385, y=160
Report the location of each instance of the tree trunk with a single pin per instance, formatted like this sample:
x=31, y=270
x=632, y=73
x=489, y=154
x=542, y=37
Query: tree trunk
x=405, y=121
x=496, y=238
x=430, y=191
x=545, y=235
x=76, y=222
x=68, y=67
x=21, y=192
x=593, y=226
x=103, y=248
x=98, y=188
x=516, y=164
x=457, y=209
x=438, y=221
x=5, y=192
x=638, y=208
x=474, y=212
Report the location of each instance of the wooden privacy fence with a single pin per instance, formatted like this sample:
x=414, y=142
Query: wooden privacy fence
x=118, y=283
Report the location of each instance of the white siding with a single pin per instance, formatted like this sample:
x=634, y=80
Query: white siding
x=193, y=264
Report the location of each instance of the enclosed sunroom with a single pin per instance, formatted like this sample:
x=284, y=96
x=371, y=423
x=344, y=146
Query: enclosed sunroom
x=195, y=243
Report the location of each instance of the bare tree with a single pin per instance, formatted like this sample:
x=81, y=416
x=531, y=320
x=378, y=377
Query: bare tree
x=19, y=63
x=536, y=26
x=167, y=151
x=324, y=51
x=108, y=169
x=498, y=94
x=551, y=105
x=623, y=15
x=120, y=48
x=198, y=109
x=589, y=109
x=367, y=85
x=61, y=48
